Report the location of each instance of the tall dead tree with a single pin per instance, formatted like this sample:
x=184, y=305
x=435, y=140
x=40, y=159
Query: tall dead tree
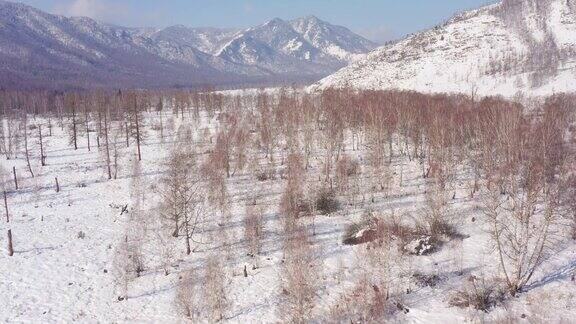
x=87, y=125
x=71, y=102
x=15, y=177
x=26, y=150
x=107, y=139
x=137, y=123
x=10, y=246
x=6, y=207
x=42, y=155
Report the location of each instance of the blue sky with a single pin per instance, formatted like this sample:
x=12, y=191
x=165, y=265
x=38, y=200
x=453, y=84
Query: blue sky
x=378, y=20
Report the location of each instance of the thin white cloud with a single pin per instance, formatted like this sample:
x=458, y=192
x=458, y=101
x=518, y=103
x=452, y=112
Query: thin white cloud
x=97, y=9
x=248, y=8
x=378, y=34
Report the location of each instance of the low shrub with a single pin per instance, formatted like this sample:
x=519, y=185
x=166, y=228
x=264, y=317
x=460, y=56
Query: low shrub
x=265, y=175
x=477, y=293
x=365, y=303
x=326, y=202
x=375, y=228
x=426, y=280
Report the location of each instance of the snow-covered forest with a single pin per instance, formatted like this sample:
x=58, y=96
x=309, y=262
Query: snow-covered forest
x=270, y=206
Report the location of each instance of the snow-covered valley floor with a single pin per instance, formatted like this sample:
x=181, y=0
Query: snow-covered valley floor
x=66, y=244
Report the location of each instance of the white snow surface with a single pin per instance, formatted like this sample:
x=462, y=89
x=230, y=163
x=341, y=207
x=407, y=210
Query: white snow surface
x=57, y=277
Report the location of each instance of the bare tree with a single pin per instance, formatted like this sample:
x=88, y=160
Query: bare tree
x=135, y=118
x=136, y=226
x=106, y=130
x=266, y=132
x=300, y=279
x=214, y=289
x=121, y=269
x=183, y=195
x=87, y=120
x=292, y=201
x=188, y=295
x=524, y=200
x=71, y=103
x=26, y=149
x=254, y=229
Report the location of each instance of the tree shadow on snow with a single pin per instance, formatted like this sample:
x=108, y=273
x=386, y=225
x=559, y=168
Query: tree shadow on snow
x=560, y=274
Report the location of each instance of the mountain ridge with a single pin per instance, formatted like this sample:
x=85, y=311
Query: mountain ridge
x=41, y=50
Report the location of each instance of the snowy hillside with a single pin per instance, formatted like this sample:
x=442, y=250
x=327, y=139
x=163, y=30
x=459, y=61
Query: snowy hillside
x=516, y=46
x=43, y=50
x=208, y=40
x=335, y=41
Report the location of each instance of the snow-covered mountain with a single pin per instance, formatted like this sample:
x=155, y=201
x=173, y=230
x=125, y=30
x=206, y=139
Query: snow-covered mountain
x=38, y=49
x=512, y=47
x=208, y=40
x=287, y=46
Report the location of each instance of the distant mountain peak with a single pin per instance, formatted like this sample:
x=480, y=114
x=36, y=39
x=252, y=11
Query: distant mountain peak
x=275, y=21
x=310, y=18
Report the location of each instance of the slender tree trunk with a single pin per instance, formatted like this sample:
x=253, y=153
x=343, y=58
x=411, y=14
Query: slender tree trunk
x=138, y=135
x=10, y=247
x=26, y=150
x=6, y=207
x=161, y=128
x=176, y=228
x=87, y=129
x=390, y=149
x=74, y=129
x=99, y=128
x=188, y=247
x=127, y=133
x=107, y=146
x=42, y=157
x=15, y=178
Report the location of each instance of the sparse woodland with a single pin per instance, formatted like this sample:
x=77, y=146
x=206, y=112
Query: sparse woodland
x=339, y=207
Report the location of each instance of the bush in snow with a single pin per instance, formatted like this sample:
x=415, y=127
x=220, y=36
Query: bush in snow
x=326, y=202
x=477, y=293
x=426, y=280
x=364, y=303
x=376, y=228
